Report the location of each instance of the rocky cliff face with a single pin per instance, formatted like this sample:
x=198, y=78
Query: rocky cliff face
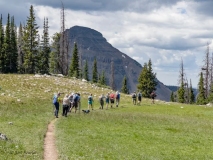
x=91, y=44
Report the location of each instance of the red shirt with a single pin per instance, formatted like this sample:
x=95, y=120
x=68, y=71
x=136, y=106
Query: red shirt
x=112, y=96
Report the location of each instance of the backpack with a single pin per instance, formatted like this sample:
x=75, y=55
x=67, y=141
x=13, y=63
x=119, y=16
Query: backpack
x=107, y=98
x=112, y=96
x=55, y=99
x=118, y=96
x=75, y=98
x=134, y=95
x=101, y=99
x=89, y=98
x=71, y=98
x=153, y=95
x=139, y=95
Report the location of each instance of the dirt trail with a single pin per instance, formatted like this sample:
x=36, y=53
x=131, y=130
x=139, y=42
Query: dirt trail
x=50, y=152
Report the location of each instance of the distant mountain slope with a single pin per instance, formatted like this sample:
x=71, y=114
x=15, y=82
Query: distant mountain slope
x=175, y=88
x=92, y=44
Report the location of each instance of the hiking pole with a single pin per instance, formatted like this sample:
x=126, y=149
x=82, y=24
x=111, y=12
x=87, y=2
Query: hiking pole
x=53, y=108
x=79, y=107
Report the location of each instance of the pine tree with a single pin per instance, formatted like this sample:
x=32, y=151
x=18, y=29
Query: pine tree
x=54, y=65
x=99, y=78
x=31, y=43
x=20, y=50
x=14, y=49
x=95, y=72
x=45, y=50
x=172, y=99
x=7, y=47
x=102, y=78
x=86, y=73
x=143, y=81
x=74, y=66
x=181, y=93
x=147, y=80
x=1, y=46
x=124, y=88
x=152, y=77
x=210, y=97
x=201, y=99
x=191, y=94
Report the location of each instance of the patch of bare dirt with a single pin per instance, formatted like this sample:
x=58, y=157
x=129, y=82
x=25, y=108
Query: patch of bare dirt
x=50, y=151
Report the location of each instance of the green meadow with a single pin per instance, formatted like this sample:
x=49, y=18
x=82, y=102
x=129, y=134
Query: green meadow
x=160, y=131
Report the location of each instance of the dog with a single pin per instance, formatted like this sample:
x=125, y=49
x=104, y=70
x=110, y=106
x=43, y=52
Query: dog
x=86, y=111
x=3, y=137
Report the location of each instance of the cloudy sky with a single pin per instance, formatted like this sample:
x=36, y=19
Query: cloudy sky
x=164, y=31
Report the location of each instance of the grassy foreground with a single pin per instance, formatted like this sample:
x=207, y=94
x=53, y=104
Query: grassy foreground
x=150, y=131
x=147, y=132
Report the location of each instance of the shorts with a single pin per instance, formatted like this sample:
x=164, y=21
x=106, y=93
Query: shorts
x=139, y=98
x=75, y=104
x=107, y=100
x=112, y=101
x=90, y=102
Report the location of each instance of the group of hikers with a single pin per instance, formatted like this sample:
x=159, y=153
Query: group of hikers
x=73, y=100
x=137, y=97
x=109, y=98
x=69, y=102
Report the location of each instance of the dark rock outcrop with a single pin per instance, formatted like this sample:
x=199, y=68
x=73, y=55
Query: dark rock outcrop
x=91, y=44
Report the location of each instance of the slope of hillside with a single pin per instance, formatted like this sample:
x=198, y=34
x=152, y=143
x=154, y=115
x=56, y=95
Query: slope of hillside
x=114, y=133
x=92, y=44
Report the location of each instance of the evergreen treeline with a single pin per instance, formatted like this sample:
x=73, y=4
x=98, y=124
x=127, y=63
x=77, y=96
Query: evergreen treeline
x=27, y=52
x=24, y=52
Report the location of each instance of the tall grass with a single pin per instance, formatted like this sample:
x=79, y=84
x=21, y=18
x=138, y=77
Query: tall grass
x=26, y=101
x=138, y=132
x=151, y=131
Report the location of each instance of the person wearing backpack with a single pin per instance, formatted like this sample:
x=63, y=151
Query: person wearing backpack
x=153, y=95
x=90, y=101
x=139, y=98
x=101, y=100
x=71, y=102
x=134, y=98
x=112, y=99
x=65, y=105
x=79, y=101
x=56, y=103
x=117, y=98
x=107, y=100
x=75, y=101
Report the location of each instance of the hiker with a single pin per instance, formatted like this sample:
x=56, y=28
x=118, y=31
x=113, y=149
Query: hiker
x=112, y=99
x=79, y=101
x=134, y=98
x=71, y=102
x=90, y=101
x=107, y=100
x=139, y=98
x=75, y=101
x=65, y=105
x=56, y=103
x=117, y=98
x=153, y=95
x=101, y=100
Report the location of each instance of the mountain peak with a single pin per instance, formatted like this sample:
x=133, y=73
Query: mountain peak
x=91, y=44
x=85, y=31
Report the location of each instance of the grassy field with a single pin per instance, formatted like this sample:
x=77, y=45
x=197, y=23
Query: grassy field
x=157, y=131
